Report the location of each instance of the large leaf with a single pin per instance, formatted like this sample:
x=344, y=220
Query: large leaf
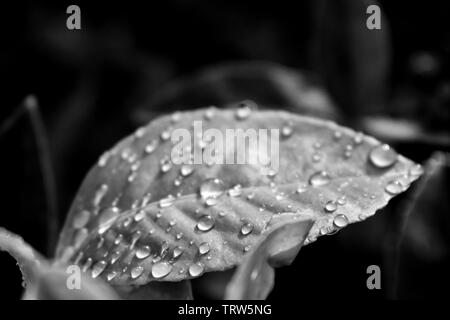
x=124, y=227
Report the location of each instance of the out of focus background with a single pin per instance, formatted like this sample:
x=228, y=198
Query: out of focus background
x=131, y=62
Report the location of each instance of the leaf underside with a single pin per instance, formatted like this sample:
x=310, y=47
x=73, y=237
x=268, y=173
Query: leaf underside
x=118, y=229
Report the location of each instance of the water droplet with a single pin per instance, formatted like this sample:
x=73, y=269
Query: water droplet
x=115, y=256
x=301, y=188
x=358, y=138
x=118, y=239
x=179, y=236
x=186, y=169
x=139, y=215
x=81, y=219
x=287, y=130
x=247, y=248
x=166, y=165
x=103, y=160
x=205, y=223
x=196, y=269
x=143, y=252
x=394, y=187
x=317, y=145
x=178, y=251
x=107, y=218
x=151, y=146
x=161, y=269
x=136, y=272
x=177, y=182
x=383, y=156
x=135, y=166
x=209, y=114
x=110, y=276
x=203, y=248
x=342, y=200
x=165, y=135
x=316, y=157
x=330, y=206
x=211, y=188
x=235, y=191
x=246, y=229
x=99, y=194
x=136, y=236
x=222, y=214
x=176, y=116
x=132, y=176
x=167, y=201
x=211, y=202
x=340, y=221
x=139, y=133
x=319, y=179
x=243, y=112
x=337, y=135
x=98, y=268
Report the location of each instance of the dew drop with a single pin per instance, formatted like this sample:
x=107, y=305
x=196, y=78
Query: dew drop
x=358, y=138
x=143, y=252
x=301, y=188
x=136, y=272
x=211, y=202
x=161, y=269
x=81, y=219
x=186, y=170
x=87, y=264
x=203, y=248
x=394, y=187
x=319, y=179
x=196, y=269
x=139, y=215
x=107, y=218
x=383, y=156
x=235, y=191
x=176, y=116
x=178, y=251
x=165, y=135
x=342, y=200
x=316, y=157
x=177, y=182
x=179, y=235
x=246, y=229
x=166, y=165
x=110, y=276
x=139, y=133
x=243, y=112
x=118, y=239
x=103, y=160
x=337, y=135
x=340, y=221
x=287, y=130
x=167, y=201
x=209, y=114
x=98, y=268
x=330, y=206
x=205, y=223
x=151, y=146
x=211, y=188
x=115, y=256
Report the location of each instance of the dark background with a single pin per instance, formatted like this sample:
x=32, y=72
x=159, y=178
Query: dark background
x=96, y=84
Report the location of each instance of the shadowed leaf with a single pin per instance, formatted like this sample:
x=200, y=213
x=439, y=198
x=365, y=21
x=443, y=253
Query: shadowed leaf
x=254, y=278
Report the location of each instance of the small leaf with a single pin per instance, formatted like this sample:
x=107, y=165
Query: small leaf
x=147, y=219
x=254, y=278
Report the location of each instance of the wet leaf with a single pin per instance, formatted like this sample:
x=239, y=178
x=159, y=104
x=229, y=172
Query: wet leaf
x=254, y=278
x=132, y=216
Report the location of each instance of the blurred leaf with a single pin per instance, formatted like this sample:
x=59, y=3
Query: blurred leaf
x=137, y=233
x=264, y=82
x=424, y=242
x=352, y=59
x=254, y=278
